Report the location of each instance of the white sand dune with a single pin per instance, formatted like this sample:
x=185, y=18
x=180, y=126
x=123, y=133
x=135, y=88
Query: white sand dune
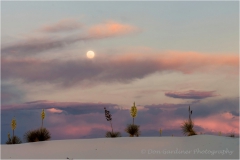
x=194, y=147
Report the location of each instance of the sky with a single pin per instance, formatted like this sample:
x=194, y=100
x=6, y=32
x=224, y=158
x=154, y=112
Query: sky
x=164, y=56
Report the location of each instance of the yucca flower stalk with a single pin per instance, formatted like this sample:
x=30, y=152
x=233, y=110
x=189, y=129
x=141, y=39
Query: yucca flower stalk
x=13, y=125
x=108, y=117
x=190, y=113
x=42, y=116
x=133, y=111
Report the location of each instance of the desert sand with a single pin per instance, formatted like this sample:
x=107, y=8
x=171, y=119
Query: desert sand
x=194, y=147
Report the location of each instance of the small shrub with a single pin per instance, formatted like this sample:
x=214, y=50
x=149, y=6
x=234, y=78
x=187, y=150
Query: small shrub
x=113, y=134
x=232, y=135
x=41, y=134
x=133, y=130
x=14, y=140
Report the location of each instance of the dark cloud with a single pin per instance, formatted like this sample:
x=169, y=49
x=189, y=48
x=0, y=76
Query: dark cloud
x=72, y=72
x=61, y=26
x=37, y=45
x=118, y=68
x=72, y=108
x=191, y=94
x=205, y=109
x=235, y=113
x=10, y=93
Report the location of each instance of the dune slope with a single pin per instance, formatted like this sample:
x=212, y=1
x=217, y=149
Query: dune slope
x=199, y=147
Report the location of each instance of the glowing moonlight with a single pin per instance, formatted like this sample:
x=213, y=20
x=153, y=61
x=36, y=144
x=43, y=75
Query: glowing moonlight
x=90, y=54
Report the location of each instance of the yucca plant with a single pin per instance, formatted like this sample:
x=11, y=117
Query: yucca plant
x=187, y=126
x=109, y=118
x=133, y=130
x=14, y=125
x=160, y=131
x=113, y=134
x=14, y=139
x=41, y=134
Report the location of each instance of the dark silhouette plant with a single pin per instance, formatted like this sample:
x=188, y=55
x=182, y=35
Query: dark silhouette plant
x=14, y=140
x=113, y=134
x=132, y=129
x=187, y=126
x=232, y=135
x=109, y=118
x=41, y=134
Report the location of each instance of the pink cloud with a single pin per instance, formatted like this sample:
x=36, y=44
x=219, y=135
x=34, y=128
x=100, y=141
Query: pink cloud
x=73, y=131
x=53, y=110
x=225, y=123
x=75, y=126
x=188, y=62
x=110, y=29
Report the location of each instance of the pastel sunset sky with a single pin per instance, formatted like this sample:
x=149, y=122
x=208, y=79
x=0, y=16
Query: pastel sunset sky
x=164, y=56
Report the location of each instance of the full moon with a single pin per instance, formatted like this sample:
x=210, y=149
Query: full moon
x=90, y=54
